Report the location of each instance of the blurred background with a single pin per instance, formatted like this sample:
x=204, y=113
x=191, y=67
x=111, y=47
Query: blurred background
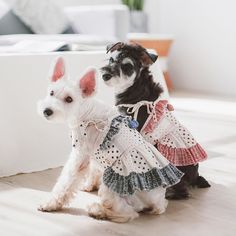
x=200, y=58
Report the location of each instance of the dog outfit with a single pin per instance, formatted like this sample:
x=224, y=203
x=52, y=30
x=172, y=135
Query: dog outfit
x=170, y=137
x=129, y=162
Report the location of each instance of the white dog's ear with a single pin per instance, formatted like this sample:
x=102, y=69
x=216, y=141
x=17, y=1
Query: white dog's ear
x=58, y=70
x=88, y=82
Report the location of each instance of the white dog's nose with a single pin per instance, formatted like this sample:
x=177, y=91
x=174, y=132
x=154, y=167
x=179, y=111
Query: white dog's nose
x=47, y=112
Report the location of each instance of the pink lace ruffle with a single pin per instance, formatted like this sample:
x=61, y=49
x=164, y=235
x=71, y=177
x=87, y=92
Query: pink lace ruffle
x=159, y=111
x=182, y=156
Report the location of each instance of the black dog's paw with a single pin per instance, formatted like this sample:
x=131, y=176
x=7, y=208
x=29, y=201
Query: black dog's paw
x=177, y=195
x=202, y=183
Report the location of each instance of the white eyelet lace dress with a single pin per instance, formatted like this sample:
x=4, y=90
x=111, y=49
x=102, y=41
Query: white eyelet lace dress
x=129, y=162
x=169, y=136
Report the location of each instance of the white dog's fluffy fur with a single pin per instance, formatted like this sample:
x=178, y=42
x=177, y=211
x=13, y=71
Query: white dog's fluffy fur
x=66, y=101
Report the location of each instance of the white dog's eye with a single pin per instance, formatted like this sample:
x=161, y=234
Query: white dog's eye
x=68, y=99
x=52, y=93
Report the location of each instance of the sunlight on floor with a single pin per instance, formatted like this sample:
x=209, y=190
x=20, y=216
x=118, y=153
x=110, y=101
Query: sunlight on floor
x=204, y=104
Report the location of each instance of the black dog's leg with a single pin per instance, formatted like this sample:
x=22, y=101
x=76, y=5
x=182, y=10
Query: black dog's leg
x=178, y=191
x=202, y=183
x=198, y=180
x=191, y=178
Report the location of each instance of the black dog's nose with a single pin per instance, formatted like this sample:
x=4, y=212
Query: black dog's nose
x=106, y=77
x=47, y=112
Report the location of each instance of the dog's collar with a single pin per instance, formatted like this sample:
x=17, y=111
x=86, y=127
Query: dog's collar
x=98, y=123
x=134, y=108
x=74, y=124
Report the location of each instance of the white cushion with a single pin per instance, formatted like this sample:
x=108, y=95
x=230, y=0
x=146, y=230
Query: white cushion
x=3, y=8
x=105, y=20
x=43, y=17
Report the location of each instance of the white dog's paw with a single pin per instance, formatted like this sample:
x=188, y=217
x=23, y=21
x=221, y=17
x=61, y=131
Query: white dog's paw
x=158, y=210
x=88, y=187
x=96, y=211
x=52, y=205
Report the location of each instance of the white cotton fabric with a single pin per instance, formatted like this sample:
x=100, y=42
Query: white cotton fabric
x=128, y=151
x=42, y=16
x=3, y=8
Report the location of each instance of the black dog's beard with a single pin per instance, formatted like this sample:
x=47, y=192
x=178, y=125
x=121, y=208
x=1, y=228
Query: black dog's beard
x=113, y=71
x=143, y=88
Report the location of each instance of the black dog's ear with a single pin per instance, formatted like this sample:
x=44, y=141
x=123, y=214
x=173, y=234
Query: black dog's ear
x=153, y=57
x=114, y=47
x=148, y=58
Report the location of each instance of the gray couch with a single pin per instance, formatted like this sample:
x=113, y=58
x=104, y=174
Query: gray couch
x=83, y=24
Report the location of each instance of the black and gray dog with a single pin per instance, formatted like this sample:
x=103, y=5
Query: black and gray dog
x=128, y=72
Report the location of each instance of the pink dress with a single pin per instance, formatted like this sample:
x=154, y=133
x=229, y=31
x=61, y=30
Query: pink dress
x=169, y=136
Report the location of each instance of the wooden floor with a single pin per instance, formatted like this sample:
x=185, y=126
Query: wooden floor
x=208, y=212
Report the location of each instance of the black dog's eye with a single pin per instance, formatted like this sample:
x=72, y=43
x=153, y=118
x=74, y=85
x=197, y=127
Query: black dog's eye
x=111, y=60
x=68, y=99
x=127, y=69
x=52, y=93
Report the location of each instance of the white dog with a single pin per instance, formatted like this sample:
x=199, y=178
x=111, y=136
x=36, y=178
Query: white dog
x=134, y=174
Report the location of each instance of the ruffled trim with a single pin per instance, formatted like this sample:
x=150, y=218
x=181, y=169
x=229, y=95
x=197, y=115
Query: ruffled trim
x=160, y=107
x=113, y=130
x=127, y=185
x=182, y=156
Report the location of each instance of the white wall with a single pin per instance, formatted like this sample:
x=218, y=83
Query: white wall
x=203, y=55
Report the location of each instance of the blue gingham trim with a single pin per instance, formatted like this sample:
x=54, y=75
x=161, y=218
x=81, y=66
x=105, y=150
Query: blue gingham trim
x=127, y=185
x=113, y=130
